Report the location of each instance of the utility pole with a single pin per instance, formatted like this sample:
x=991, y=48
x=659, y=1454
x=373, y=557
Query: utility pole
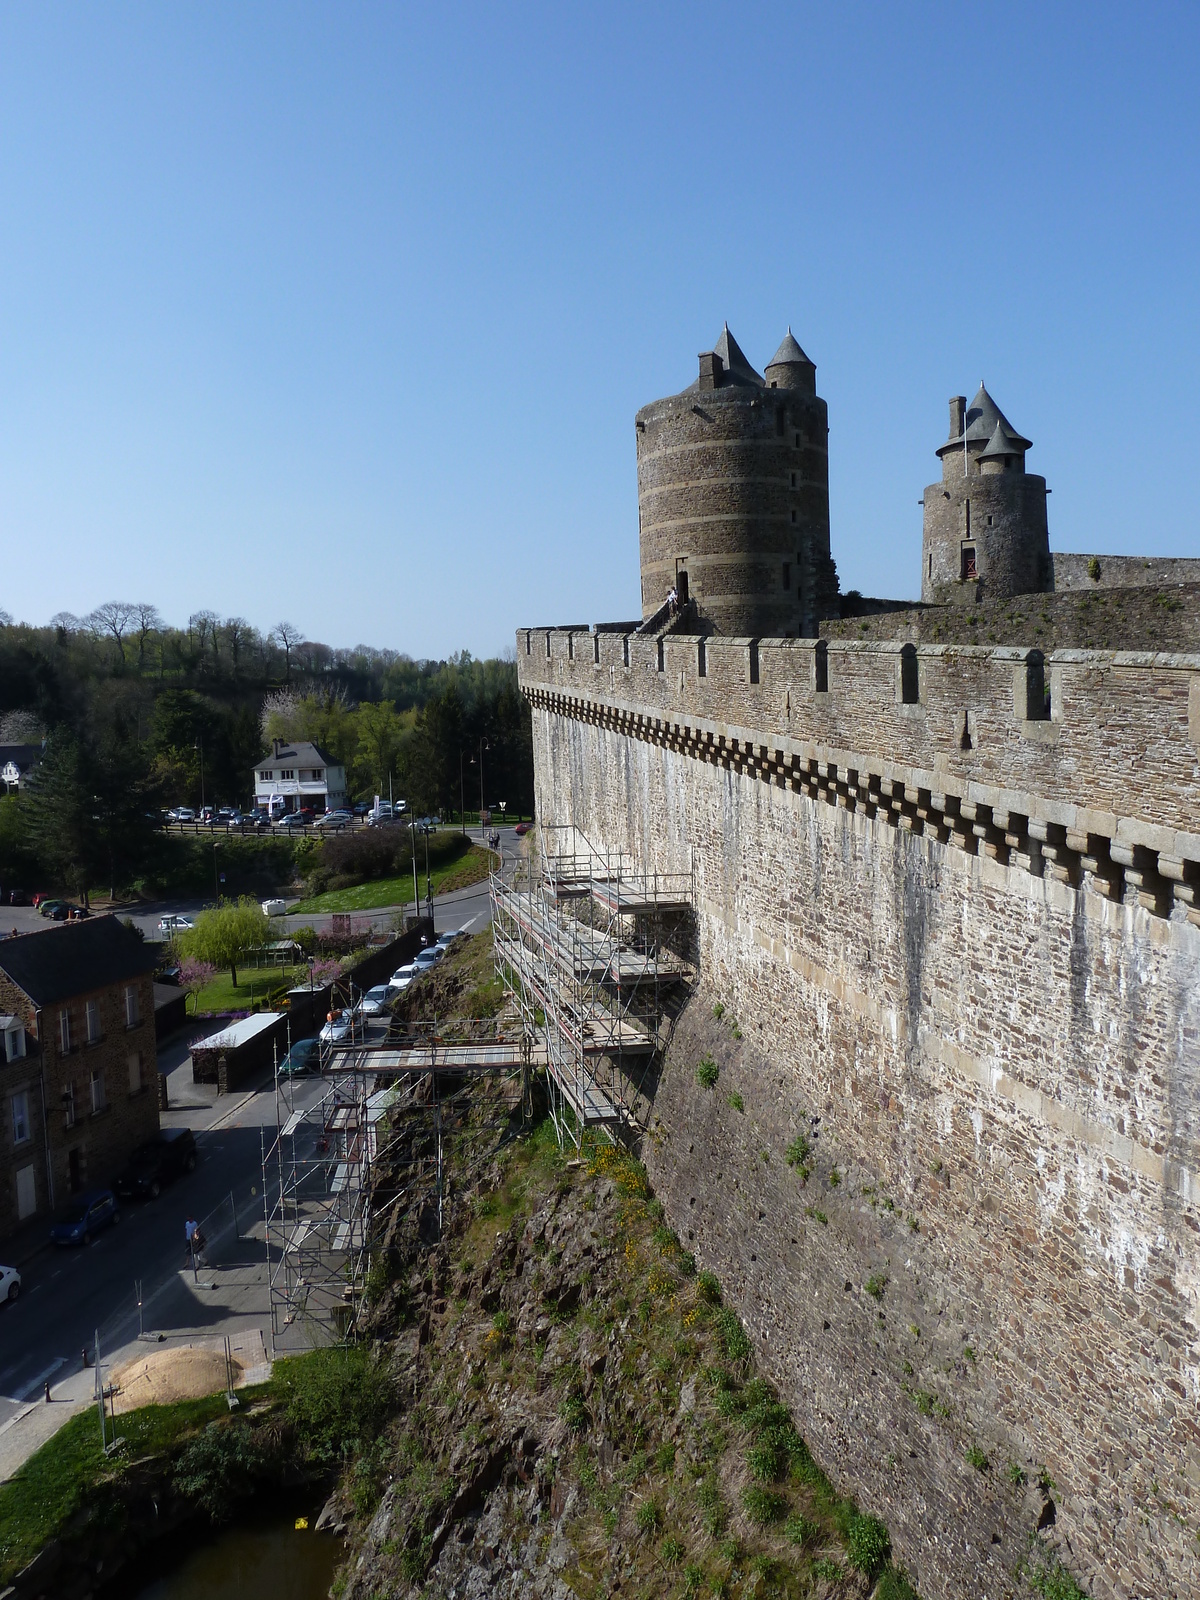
x=412, y=820
x=200, y=746
x=462, y=802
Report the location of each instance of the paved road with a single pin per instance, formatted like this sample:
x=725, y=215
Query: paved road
x=463, y=908
x=67, y=1294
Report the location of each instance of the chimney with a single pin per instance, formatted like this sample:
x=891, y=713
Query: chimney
x=711, y=370
x=958, y=413
x=275, y=748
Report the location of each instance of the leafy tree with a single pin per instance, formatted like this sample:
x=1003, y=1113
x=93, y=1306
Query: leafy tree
x=379, y=740
x=223, y=935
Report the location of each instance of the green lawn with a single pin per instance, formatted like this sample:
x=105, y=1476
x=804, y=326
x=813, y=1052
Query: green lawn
x=397, y=891
x=254, y=983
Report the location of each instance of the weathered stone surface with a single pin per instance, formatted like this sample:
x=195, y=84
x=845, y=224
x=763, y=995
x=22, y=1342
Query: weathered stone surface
x=981, y=1007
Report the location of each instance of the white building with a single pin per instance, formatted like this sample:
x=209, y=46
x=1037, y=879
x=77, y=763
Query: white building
x=293, y=775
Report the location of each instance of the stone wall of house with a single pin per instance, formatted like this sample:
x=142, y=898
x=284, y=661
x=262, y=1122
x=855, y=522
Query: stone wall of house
x=90, y=1138
x=955, y=952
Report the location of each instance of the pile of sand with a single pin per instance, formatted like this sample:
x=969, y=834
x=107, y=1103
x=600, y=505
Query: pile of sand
x=167, y=1375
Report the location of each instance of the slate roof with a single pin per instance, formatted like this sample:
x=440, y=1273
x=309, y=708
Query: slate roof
x=1000, y=444
x=737, y=370
x=74, y=958
x=789, y=354
x=983, y=417
x=300, y=754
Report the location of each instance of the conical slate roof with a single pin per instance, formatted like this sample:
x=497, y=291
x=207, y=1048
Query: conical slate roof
x=737, y=368
x=983, y=418
x=1001, y=444
x=789, y=354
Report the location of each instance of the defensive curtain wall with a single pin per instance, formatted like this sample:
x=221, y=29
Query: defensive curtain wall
x=951, y=932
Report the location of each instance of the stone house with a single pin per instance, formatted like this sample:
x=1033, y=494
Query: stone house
x=78, y=1068
x=296, y=773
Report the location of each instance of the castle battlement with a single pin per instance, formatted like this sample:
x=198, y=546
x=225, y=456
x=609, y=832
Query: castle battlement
x=1084, y=764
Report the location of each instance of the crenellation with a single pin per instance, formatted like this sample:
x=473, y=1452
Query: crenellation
x=950, y=892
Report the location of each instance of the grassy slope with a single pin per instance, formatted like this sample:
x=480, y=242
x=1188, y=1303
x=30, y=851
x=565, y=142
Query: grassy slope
x=687, y=1473
x=397, y=891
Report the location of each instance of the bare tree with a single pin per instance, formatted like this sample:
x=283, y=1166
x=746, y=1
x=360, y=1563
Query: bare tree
x=113, y=620
x=287, y=636
x=147, y=622
x=6, y=620
x=66, y=622
x=204, y=625
x=238, y=633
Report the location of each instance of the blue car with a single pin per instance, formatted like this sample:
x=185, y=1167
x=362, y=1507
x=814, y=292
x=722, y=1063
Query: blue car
x=85, y=1217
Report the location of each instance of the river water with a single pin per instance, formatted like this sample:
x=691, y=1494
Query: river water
x=266, y=1561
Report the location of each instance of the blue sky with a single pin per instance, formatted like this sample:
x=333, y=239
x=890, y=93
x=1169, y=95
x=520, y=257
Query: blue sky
x=342, y=313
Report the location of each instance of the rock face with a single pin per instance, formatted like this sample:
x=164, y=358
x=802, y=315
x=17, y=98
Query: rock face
x=578, y=1413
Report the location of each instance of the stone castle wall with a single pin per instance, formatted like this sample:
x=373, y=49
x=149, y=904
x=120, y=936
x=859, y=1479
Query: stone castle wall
x=1121, y=572
x=968, y=977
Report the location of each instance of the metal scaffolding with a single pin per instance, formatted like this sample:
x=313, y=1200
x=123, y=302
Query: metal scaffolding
x=333, y=1129
x=586, y=950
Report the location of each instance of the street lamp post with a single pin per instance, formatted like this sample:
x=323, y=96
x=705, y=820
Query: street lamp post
x=199, y=745
x=462, y=800
x=483, y=745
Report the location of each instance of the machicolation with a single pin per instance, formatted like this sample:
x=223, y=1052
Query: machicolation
x=946, y=869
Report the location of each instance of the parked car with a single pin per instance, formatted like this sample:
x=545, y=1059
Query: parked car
x=10, y=1283
x=430, y=957
x=274, y=908
x=338, y=1028
x=403, y=976
x=17, y=897
x=521, y=829
x=85, y=1217
x=47, y=907
x=375, y=1002
x=335, y=820
x=381, y=816
x=175, y=924
x=304, y=1057
x=65, y=911
x=182, y=814
x=250, y=821
x=226, y=813
x=40, y=896
x=360, y=808
x=292, y=819
x=451, y=937
x=154, y=1164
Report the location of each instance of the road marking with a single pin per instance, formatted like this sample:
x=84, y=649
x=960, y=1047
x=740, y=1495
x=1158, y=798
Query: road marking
x=42, y=1376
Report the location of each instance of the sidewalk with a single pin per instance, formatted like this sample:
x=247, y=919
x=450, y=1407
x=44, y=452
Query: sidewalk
x=233, y=1300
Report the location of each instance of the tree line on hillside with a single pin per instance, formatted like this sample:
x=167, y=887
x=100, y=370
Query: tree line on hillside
x=135, y=716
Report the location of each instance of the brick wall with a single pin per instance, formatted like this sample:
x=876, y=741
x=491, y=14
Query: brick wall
x=1000, y=1044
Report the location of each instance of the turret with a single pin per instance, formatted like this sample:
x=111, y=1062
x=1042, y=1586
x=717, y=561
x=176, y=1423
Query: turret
x=985, y=532
x=733, y=495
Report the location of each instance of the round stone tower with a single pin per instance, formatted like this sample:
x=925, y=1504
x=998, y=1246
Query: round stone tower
x=733, y=495
x=985, y=523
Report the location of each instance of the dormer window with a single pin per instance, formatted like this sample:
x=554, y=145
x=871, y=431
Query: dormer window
x=14, y=1038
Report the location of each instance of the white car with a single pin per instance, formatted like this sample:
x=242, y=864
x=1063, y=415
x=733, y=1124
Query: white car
x=10, y=1283
x=338, y=1029
x=274, y=908
x=174, y=924
x=403, y=976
